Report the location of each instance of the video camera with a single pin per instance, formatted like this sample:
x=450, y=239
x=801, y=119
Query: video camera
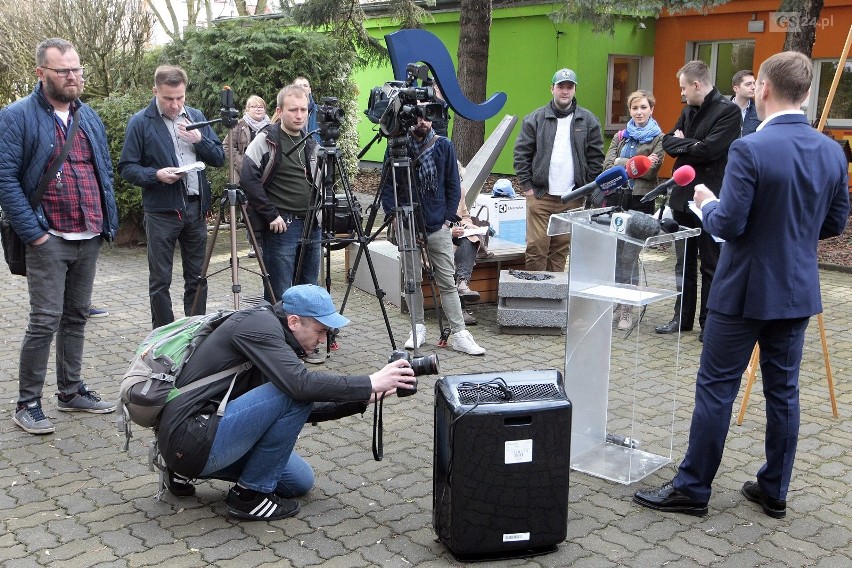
x=395, y=107
x=329, y=115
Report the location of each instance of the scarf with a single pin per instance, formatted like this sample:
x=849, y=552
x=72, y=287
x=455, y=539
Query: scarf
x=256, y=125
x=645, y=133
x=427, y=172
x=563, y=113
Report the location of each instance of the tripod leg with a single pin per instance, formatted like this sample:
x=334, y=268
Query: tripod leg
x=202, y=278
x=264, y=274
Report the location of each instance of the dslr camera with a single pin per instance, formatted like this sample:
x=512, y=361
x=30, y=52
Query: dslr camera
x=425, y=365
x=395, y=107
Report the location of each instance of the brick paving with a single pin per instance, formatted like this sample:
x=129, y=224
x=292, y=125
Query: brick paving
x=75, y=499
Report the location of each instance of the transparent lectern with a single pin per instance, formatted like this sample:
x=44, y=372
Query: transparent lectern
x=621, y=383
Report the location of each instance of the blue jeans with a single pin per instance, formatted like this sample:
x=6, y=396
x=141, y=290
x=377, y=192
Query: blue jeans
x=60, y=276
x=163, y=231
x=254, y=443
x=465, y=257
x=281, y=254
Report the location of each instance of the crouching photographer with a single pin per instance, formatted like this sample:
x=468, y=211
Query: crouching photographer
x=252, y=442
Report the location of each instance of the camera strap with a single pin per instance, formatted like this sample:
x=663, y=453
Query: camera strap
x=378, y=443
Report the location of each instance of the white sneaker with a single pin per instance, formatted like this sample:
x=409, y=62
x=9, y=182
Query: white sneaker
x=421, y=337
x=463, y=341
x=625, y=322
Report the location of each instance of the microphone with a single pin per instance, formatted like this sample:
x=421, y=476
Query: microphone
x=637, y=166
x=681, y=176
x=607, y=181
x=642, y=226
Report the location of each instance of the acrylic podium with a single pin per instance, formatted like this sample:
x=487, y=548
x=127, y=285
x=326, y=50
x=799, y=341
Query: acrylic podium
x=622, y=383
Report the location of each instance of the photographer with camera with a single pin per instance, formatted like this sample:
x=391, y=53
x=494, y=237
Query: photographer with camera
x=436, y=178
x=276, y=177
x=252, y=443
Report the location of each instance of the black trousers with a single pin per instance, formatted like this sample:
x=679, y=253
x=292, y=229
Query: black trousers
x=707, y=249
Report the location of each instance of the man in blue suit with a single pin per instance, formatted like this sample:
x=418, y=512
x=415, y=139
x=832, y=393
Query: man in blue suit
x=785, y=187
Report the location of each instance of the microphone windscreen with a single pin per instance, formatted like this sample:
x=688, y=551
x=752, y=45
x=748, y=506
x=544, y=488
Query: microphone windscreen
x=642, y=226
x=670, y=225
x=683, y=175
x=637, y=166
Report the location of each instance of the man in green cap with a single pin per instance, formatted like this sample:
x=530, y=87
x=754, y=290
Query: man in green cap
x=559, y=148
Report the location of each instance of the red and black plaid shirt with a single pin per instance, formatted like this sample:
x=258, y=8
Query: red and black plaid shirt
x=75, y=207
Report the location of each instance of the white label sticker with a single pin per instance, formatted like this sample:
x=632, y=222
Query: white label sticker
x=518, y=451
x=516, y=537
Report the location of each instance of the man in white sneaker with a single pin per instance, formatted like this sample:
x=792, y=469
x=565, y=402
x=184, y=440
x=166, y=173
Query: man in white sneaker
x=438, y=190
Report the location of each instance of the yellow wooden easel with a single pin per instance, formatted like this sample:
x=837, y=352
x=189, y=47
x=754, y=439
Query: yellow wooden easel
x=751, y=372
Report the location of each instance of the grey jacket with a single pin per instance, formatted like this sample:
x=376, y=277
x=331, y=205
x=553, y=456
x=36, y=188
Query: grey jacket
x=535, y=145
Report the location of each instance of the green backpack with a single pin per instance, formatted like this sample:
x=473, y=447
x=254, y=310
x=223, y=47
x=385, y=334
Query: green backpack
x=149, y=382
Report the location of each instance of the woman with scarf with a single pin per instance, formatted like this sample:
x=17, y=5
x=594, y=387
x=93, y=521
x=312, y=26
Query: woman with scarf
x=238, y=138
x=642, y=137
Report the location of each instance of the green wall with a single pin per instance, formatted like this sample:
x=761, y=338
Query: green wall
x=525, y=52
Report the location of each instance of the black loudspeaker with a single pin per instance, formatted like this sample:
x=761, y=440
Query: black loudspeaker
x=501, y=462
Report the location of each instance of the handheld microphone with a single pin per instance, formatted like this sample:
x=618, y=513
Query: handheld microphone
x=681, y=176
x=606, y=181
x=637, y=166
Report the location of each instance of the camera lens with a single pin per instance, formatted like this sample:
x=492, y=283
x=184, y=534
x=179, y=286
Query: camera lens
x=426, y=365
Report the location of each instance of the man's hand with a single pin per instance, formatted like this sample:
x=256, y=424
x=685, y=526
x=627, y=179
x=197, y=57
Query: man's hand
x=191, y=136
x=42, y=239
x=394, y=375
x=278, y=225
x=457, y=232
x=702, y=193
x=168, y=175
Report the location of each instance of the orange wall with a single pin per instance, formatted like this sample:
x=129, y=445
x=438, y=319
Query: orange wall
x=729, y=22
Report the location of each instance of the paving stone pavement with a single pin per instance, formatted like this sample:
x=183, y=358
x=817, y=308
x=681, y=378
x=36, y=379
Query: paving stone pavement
x=75, y=499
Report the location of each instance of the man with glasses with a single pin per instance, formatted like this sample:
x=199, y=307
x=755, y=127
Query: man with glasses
x=252, y=443
x=157, y=147
x=63, y=232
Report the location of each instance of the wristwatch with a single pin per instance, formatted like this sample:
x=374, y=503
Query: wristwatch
x=448, y=224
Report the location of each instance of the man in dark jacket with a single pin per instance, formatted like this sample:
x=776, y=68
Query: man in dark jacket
x=63, y=232
x=157, y=145
x=743, y=85
x=252, y=442
x=705, y=130
x=559, y=148
x=437, y=192
x=277, y=177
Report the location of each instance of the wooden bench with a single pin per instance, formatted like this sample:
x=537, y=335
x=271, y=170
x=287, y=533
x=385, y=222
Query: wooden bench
x=485, y=278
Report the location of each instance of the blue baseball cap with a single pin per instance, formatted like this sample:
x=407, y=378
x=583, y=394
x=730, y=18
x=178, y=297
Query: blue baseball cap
x=309, y=300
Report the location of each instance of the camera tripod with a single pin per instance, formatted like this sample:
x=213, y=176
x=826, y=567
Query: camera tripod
x=326, y=202
x=406, y=220
x=232, y=198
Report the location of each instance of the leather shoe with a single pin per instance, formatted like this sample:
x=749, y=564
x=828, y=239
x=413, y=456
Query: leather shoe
x=672, y=327
x=772, y=507
x=701, y=336
x=669, y=500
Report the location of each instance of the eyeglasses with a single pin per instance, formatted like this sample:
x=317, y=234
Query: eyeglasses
x=78, y=71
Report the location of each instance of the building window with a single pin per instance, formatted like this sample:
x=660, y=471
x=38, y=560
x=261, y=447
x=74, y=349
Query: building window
x=840, y=113
x=625, y=74
x=724, y=59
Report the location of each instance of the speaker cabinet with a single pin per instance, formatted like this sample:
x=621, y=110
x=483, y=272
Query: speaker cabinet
x=501, y=463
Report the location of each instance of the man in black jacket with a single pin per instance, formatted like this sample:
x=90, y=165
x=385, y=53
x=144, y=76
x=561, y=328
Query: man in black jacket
x=705, y=130
x=252, y=442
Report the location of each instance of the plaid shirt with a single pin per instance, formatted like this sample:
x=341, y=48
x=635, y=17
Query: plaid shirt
x=72, y=200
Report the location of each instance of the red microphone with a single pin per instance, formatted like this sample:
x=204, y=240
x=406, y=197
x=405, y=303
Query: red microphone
x=684, y=175
x=637, y=166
